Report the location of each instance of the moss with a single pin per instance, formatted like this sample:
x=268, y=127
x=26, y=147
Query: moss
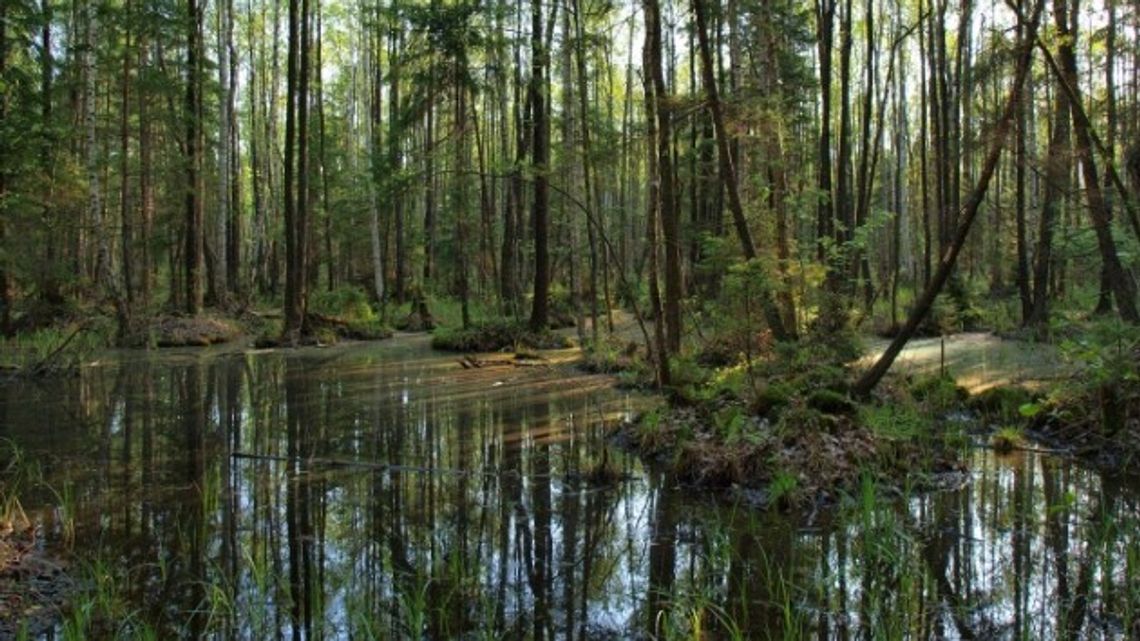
x=940, y=392
x=770, y=399
x=831, y=402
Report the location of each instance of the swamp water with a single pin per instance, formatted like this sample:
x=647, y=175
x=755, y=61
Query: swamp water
x=383, y=491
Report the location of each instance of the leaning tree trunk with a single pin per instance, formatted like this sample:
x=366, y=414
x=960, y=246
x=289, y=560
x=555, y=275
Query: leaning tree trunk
x=872, y=376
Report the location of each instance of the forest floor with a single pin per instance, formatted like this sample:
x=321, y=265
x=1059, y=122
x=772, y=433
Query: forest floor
x=787, y=434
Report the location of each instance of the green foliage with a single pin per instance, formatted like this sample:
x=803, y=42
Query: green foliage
x=350, y=303
x=830, y=401
x=494, y=336
x=895, y=421
x=690, y=379
x=1007, y=439
x=733, y=326
x=1001, y=402
x=939, y=393
x=782, y=488
x=1105, y=352
x=772, y=397
x=55, y=350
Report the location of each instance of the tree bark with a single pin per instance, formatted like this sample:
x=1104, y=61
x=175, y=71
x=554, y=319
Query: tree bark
x=1056, y=186
x=541, y=210
x=194, y=251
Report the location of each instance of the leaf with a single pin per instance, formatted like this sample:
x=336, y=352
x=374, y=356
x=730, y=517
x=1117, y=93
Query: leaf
x=1029, y=410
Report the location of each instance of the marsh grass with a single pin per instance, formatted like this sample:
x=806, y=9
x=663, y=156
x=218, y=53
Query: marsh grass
x=53, y=351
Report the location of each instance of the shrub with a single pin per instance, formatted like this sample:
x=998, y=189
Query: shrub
x=347, y=302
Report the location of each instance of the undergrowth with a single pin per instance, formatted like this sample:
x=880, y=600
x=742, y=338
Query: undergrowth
x=494, y=336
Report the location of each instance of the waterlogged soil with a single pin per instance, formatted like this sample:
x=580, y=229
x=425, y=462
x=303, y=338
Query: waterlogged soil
x=384, y=490
x=977, y=361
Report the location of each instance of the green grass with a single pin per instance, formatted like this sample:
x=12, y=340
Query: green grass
x=53, y=350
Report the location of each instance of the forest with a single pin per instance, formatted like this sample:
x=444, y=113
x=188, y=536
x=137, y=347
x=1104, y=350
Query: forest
x=175, y=157
x=456, y=287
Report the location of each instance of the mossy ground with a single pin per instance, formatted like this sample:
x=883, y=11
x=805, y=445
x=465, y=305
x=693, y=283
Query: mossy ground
x=494, y=336
x=790, y=448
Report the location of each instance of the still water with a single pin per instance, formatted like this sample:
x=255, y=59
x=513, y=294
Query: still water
x=383, y=491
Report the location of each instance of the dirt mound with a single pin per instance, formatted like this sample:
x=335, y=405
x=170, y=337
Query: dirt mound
x=191, y=331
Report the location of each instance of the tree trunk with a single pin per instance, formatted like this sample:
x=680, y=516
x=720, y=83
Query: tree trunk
x=194, y=251
x=429, y=178
x=1021, y=158
x=658, y=351
x=590, y=197
x=541, y=211
x=395, y=152
x=1056, y=186
x=5, y=277
x=234, y=265
x=667, y=209
x=225, y=116
x=146, y=268
x=825, y=217
x=375, y=106
x=125, y=224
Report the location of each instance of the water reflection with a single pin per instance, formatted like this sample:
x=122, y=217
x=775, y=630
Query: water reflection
x=385, y=492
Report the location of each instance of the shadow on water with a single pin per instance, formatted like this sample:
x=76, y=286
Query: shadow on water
x=382, y=491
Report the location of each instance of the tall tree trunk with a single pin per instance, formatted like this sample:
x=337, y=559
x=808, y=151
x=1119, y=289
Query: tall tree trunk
x=323, y=160
x=509, y=285
x=126, y=225
x=296, y=170
x=234, y=236
x=590, y=199
x=1056, y=186
x=429, y=178
x=1021, y=157
x=225, y=116
x=95, y=210
x=867, y=152
x=5, y=274
x=146, y=266
x=825, y=217
x=658, y=350
x=194, y=251
x=667, y=209
x=375, y=106
x=395, y=151
x=541, y=211
x=870, y=378
x=845, y=211
x=459, y=202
